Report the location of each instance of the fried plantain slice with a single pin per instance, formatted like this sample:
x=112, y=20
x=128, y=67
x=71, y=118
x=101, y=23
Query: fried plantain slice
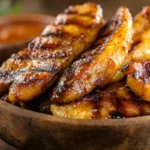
x=138, y=78
x=138, y=69
x=141, y=25
x=40, y=65
x=115, y=102
x=140, y=46
x=96, y=67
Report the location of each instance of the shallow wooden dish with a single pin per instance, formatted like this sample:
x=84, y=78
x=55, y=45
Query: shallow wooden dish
x=25, y=129
x=7, y=49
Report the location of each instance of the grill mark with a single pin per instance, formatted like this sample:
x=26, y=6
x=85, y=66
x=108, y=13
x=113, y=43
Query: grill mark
x=46, y=69
x=58, y=34
x=88, y=57
x=71, y=11
x=76, y=22
x=95, y=98
x=60, y=55
x=41, y=55
x=33, y=46
x=134, y=45
x=17, y=57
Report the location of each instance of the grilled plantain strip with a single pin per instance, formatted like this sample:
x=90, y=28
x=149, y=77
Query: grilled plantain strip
x=115, y=102
x=40, y=65
x=96, y=67
x=138, y=78
x=142, y=25
x=140, y=45
x=139, y=59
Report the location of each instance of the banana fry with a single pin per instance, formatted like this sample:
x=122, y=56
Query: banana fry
x=96, y=67
x=37, y=67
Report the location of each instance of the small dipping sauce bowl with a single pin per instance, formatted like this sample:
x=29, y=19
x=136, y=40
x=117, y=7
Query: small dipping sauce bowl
x=17, y=31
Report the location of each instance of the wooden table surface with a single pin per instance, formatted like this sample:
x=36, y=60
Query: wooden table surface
x=5, y=146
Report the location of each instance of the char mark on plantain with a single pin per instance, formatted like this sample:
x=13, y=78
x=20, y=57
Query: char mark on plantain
x=97, y=67
x=33, y=70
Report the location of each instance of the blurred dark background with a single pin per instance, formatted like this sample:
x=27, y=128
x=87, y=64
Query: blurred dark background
x=53, y=7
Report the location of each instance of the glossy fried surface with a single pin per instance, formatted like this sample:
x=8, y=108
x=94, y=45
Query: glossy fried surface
x=140, y=45
x=96, y=67
x=141, y=37
x=137, y=70
x=37, y=67
x=115, y=102
x=138, y=78
x=142, y=24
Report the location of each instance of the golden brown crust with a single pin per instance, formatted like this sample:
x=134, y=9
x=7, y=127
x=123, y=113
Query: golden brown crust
x=60, y=43
x=138, y=69
x=141, y=24
x=115, y=102
x=138, y=78
x=140, y=45
x=96, y=67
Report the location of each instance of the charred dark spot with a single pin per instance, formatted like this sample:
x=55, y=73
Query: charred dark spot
x=134, y=45
x=45, y=109
x=110, y=27
x=58, y=34
x=95, y=96
x=116, y=115
x=46, y=69
x=76, y=22
x=125, y=68
x=69, y=72
x=117, y=101
x=147, y=67
x=95, y=111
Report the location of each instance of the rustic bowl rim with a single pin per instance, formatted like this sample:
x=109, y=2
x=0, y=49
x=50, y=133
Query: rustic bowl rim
x=20, y=112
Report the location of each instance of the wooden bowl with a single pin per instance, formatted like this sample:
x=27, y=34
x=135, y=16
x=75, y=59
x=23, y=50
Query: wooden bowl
x=27, y=130
x=7, y=49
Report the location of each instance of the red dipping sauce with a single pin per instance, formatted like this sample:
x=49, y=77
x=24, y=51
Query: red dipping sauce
x=19, y=32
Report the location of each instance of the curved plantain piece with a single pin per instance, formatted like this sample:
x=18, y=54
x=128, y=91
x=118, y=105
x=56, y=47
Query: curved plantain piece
x=96, y=67
x=138, y=78
x=40, y=65
x=115, y=102
x=137, y=71
x=140, y=45
x=142, y=24
x=139, y=52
